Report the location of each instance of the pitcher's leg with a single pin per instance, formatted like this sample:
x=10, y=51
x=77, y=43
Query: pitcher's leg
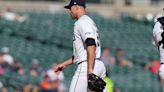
x=100, y=70
x=79, y=82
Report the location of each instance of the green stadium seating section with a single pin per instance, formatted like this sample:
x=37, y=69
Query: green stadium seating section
x=48, y=37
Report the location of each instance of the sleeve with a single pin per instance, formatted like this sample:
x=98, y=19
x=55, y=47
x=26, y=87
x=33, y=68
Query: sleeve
x=156, y=31
x=87, y=30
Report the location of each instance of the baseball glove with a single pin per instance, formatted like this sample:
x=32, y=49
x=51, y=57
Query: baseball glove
x=95, y=83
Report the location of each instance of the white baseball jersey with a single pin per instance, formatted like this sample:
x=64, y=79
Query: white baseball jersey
x=157, y=31
x=84, y=28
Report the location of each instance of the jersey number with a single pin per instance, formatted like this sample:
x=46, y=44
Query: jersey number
x=162, y=41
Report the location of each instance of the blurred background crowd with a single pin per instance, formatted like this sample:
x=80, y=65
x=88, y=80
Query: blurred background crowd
x=30, y=77
x=32, y=43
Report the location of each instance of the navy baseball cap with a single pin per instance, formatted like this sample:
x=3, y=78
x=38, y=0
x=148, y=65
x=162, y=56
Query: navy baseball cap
x=75, y=2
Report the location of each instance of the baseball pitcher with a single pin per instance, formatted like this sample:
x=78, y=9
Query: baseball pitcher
x=86, y=52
